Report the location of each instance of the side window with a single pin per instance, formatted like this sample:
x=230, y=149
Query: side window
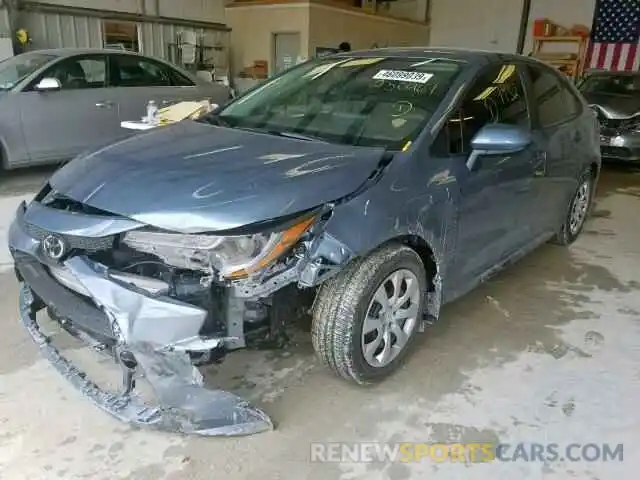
x=79, y=72
x=496, y=96
x=178, y=79
x=574, y=106
x=132, y=71
x=554, y=101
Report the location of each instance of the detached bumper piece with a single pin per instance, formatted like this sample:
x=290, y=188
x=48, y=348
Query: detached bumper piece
x=184, y=404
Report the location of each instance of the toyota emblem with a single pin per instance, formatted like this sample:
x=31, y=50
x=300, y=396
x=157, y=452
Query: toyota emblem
x=54, y=247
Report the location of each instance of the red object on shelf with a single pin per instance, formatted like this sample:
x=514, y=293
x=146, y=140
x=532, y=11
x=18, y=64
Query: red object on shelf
x=580, y=31
x=541, y=27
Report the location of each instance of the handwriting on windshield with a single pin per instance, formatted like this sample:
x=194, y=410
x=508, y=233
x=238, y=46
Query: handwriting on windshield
x=415, y=89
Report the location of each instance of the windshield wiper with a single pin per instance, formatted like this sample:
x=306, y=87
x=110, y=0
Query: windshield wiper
x=298, y=136
x=219, y=121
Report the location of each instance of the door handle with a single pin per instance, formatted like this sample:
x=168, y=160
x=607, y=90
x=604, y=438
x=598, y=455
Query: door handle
x=105, y=104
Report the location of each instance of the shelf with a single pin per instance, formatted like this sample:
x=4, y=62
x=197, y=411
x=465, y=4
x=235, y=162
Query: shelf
x=563, y=61
x=560, y=39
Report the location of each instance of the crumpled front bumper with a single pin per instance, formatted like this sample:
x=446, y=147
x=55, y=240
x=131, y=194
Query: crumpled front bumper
x=147, y=334
x=624, y=147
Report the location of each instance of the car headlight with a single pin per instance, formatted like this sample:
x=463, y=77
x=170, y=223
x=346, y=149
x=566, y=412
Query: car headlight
x=234, y=257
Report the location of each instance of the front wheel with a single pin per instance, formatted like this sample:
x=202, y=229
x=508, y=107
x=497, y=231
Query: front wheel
x=365, y=319
x=578, y=212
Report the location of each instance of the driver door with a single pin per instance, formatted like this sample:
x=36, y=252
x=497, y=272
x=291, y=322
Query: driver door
x=494, y=195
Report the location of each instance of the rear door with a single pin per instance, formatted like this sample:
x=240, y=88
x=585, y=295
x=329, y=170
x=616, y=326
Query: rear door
x=495, y=197
x=556, y=111
x=137, y=80
x=58, y=125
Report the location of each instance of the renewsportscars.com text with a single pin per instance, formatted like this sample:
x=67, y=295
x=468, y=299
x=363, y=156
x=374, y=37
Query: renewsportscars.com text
x=468, y=452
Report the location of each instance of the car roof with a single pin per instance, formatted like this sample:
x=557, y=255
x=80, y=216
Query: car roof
x=461, y=54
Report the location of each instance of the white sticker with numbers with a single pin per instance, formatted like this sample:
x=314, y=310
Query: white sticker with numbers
x=403, y=76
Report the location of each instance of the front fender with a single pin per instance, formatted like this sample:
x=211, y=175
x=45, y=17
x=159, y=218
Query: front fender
x=406, y=201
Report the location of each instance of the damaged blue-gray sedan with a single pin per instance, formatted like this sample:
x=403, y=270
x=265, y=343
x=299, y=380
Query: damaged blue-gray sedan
x=368, y=188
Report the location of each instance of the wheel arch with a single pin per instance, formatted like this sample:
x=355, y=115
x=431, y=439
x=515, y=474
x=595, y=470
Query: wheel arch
x=430, y=262
x=595, y=169
x=422, y=248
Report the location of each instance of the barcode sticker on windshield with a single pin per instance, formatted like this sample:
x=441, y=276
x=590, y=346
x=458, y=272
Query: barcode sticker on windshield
x=403, y=76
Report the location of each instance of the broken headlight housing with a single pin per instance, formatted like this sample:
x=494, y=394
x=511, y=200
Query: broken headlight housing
x=233, y=257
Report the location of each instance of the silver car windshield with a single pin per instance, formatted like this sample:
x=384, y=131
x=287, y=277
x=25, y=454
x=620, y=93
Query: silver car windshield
x=364, y=101
x=13, y=70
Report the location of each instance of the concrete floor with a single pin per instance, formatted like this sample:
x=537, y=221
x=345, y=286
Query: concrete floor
x=549, y=351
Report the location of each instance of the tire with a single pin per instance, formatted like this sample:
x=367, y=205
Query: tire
x=570, y=230
x=343, y=302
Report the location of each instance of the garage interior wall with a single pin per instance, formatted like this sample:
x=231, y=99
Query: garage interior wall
x=411, y=9
x=200, y=10
x=362, y=30
x=494, y=24
x=319, y=25
x=53, y=30
x=49, y=29
x=253, y=27
x=5, y=29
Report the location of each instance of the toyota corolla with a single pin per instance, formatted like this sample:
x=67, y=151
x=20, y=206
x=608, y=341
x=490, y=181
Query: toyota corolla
x=368, y=188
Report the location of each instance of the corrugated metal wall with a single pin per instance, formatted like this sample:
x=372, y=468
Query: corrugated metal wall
x=156, y=37
x=4, y=23
x=53, y=30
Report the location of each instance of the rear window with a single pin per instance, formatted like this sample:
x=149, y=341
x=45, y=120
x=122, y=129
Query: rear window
x=553, y=99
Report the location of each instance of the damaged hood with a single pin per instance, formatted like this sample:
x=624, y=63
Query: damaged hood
x=193, y=176
x=615, y=107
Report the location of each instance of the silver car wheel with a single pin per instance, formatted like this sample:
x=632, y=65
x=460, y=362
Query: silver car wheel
x=391, y=318
x=579, y=207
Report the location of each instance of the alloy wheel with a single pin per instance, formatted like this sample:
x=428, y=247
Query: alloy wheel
x=391, y=318
x=579, y=207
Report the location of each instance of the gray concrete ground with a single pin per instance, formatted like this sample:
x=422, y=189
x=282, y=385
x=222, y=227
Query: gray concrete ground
x=549, y=351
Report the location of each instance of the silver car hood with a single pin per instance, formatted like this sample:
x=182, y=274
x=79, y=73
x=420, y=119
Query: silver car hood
x=193, y=177
x=615, y=107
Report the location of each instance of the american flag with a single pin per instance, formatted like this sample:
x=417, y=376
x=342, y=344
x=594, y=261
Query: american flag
x=615, y=36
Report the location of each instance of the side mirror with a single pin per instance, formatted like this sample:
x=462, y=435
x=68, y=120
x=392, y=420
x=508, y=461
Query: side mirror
x=48, y=85
x=496, y=139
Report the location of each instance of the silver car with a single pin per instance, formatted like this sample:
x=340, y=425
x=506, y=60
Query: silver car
x=54, y=104
x=615, y=97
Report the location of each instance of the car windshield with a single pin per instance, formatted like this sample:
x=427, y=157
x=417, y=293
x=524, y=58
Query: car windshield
x=612, y=84
x=382, y=101
x=13, y=70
